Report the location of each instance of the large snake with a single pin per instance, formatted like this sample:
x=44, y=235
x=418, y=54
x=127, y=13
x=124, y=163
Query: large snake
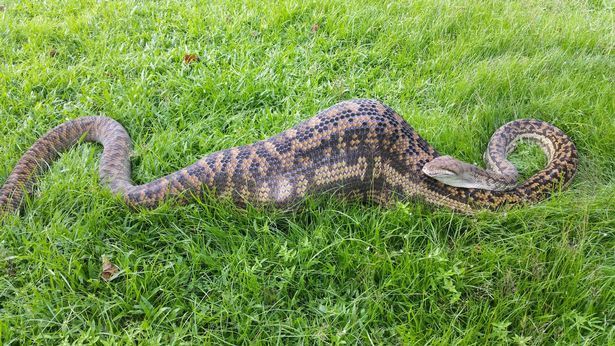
x=358, y=148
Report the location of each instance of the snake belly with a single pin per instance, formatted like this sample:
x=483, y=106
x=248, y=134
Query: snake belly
x=359, y=149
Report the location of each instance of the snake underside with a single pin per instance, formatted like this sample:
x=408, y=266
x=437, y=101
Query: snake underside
x=359, y=148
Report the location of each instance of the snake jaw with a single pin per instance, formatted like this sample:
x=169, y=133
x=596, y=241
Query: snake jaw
x=438, y=173
x=442, y=167
x=450, y=171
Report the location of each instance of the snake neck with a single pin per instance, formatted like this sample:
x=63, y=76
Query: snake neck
x=498, y=186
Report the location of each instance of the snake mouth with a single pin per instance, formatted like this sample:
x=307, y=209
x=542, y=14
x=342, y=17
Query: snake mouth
x=437, y=173
x=440, y=167
x=450, y=171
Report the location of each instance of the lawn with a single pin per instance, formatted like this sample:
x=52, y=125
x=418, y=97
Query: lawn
x=331, y=271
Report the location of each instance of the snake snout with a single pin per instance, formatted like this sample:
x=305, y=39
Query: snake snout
x=441, y=166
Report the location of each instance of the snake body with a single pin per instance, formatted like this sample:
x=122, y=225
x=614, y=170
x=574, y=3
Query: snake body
x=359, y=149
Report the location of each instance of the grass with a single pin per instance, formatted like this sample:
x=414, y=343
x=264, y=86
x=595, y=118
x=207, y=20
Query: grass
x=332, y=271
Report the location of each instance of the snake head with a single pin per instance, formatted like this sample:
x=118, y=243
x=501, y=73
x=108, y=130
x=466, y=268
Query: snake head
x=453, y=172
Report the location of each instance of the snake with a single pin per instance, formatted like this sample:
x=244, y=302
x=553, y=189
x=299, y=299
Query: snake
x=358, y=149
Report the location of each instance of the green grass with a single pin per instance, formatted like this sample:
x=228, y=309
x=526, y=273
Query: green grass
x=332, y=271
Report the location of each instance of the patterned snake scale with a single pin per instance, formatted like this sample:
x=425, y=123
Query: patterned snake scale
x=359, y=148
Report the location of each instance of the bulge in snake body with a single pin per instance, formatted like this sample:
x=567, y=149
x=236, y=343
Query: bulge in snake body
x=358, y=149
